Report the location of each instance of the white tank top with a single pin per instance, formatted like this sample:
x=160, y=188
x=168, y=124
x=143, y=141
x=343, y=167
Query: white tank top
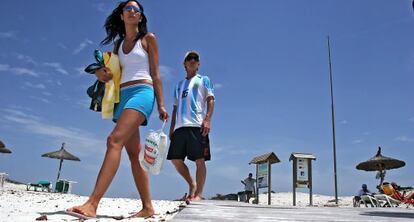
x=135, y=64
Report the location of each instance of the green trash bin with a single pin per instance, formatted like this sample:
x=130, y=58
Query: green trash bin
x=62, y=186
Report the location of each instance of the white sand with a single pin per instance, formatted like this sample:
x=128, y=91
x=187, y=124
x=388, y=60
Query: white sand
x=302, y=200
x=17, y=204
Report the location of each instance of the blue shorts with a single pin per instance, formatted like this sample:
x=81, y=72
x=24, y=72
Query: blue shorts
x=138, y=97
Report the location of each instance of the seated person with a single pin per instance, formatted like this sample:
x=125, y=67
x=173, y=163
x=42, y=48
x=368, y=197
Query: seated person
x=403, y=191
x=364, y=191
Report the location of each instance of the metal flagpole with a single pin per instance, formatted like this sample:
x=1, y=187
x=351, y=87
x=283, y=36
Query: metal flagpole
x=333, y=122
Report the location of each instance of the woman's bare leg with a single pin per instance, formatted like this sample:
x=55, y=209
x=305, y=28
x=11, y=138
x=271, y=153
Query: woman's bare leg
x=141, y=177
x=126, y=126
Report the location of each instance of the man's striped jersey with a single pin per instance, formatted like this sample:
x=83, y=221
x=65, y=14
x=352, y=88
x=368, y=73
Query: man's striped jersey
x=190, y=98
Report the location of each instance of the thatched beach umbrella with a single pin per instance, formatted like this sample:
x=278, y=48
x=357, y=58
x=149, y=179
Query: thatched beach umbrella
x=3, y=148
x=61, y=154
x=380, y=163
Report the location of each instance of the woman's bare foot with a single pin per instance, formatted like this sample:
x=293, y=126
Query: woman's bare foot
x=86, y=209
x=145, y=213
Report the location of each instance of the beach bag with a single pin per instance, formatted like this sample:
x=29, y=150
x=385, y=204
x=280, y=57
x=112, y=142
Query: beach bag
x=153, y=154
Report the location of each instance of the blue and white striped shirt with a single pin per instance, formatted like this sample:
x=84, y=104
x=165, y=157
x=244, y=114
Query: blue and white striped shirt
x=190, y=97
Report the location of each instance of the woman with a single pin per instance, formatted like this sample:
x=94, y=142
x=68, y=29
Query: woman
x=138, y=55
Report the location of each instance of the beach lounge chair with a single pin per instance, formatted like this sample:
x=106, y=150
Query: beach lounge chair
x=393, y=196
x=43, y=185
x=62, y=186
x=387, y=201
x=369, y=200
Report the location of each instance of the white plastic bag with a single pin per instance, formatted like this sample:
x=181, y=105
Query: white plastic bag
x=153, y=154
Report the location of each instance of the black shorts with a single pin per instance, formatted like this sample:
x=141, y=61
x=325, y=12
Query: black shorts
x=188, y=142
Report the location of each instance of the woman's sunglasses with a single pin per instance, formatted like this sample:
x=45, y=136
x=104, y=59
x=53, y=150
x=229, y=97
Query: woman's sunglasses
x=129, y=8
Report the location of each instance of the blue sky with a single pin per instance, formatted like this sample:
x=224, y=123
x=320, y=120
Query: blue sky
x=268, y=61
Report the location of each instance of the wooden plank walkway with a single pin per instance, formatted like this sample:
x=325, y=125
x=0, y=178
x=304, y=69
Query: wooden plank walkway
x=235, y=211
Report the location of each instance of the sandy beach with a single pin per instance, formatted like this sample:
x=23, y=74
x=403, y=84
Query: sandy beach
x=302, y=200
x=17, y=204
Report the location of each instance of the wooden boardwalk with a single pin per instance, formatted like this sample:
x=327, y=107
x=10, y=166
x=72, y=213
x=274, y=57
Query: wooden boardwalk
x=235, y=211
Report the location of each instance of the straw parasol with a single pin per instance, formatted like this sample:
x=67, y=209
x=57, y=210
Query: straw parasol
x=61, y=154
x=3, y=148
x=380, y=163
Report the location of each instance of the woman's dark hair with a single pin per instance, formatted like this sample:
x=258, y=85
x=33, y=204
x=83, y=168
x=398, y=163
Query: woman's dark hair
x=114, y=26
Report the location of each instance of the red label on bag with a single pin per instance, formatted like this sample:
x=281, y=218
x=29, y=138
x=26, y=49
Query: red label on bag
x=147, y=155
x=149, y=149
x=149, y=159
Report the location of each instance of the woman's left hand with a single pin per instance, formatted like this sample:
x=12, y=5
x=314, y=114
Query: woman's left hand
x=163, y=113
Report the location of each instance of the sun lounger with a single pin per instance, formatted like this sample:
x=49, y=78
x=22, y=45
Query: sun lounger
x=368, y=199
x=64, y=186
x=43, y=185
x=387, y=201
x=394, y=197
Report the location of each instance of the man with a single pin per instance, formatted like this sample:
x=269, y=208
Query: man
x=363, y=191
x=190, y=125
x=249, y=186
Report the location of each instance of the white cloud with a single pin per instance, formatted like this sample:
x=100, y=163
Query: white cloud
x=26, y=59
x=61, y=45
x=7, y=35
x=404, y=139
x=343, y=122
x=36, y=86
x=80, y=70
x=165, y=72
x=82, y=46
x=4, y=67
x=218, y=85
x=24, y=71
x=357, y=141
x=57, y=66
x=47, y=93
x=80, y=141
x=17, y=70
x=226, y=151
x=40, y=99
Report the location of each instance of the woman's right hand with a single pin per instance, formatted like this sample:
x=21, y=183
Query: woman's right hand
x=104, y=74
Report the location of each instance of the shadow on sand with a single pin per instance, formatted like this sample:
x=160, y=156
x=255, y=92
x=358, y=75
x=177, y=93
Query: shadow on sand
x=62, y=212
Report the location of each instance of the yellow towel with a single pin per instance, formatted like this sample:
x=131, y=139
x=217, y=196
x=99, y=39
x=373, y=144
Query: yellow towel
x=112, y=87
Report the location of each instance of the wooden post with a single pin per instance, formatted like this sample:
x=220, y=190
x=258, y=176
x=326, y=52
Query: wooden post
x=257, y=186
x=269, y=188
x=294, y=181
x=310, y=181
